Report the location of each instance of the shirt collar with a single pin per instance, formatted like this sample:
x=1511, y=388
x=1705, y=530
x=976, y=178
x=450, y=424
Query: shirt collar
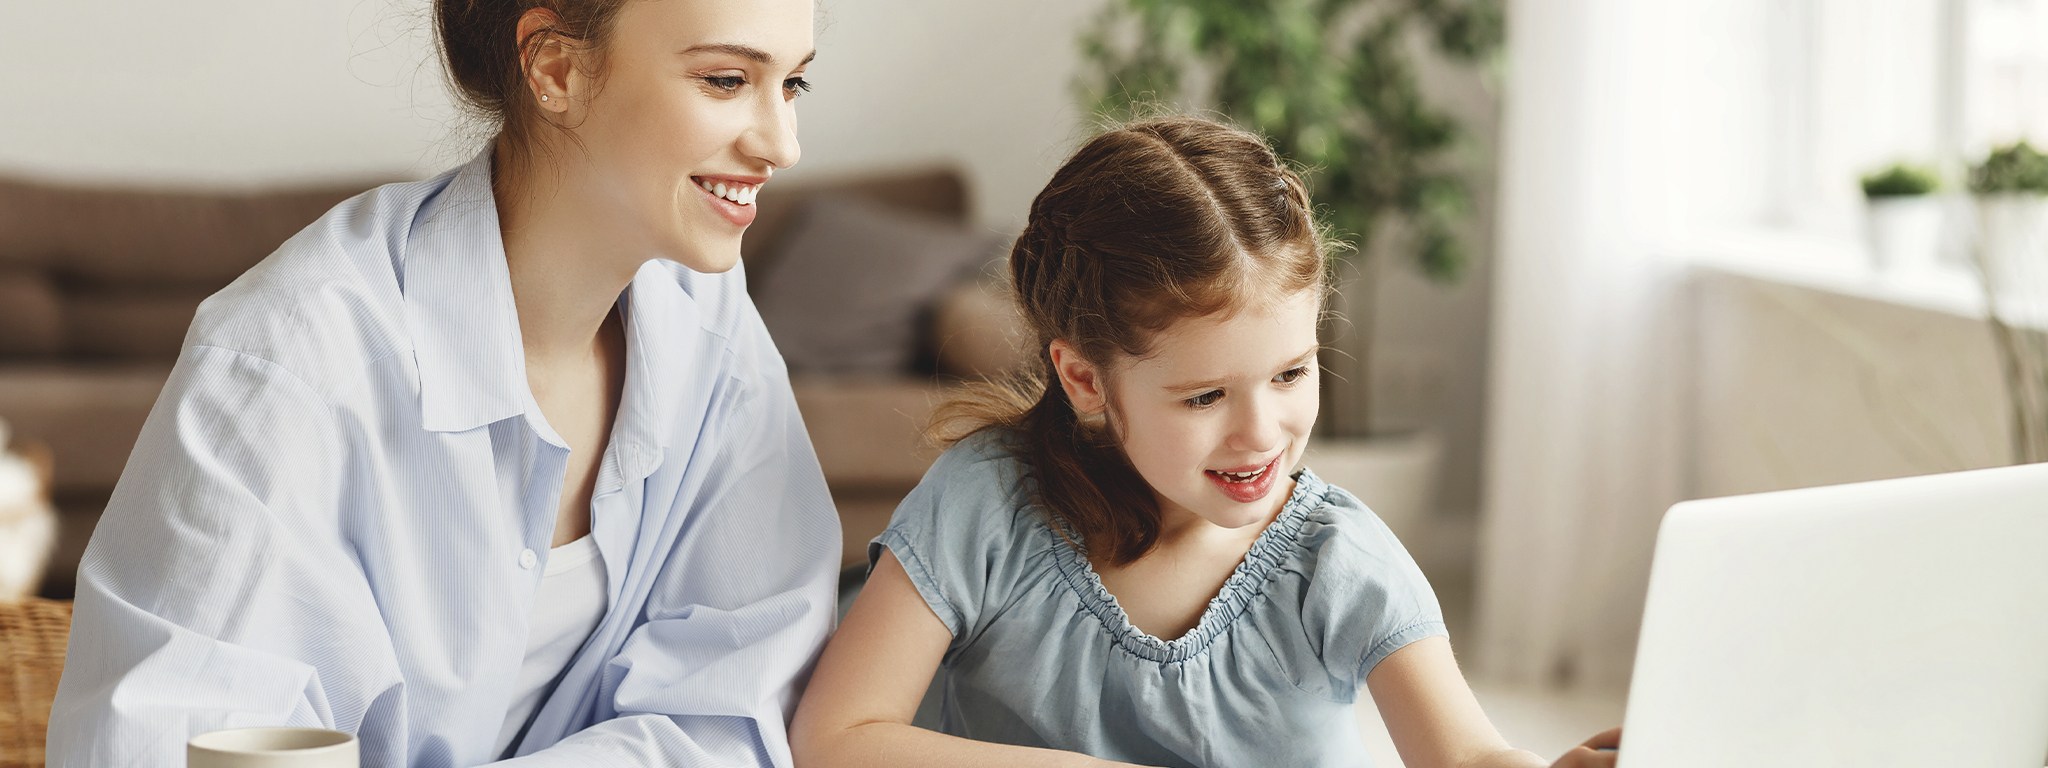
x=459, y=309
x=662, y=338
x=465, y=327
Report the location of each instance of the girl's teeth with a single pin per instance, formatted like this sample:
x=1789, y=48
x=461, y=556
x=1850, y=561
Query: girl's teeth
x=1242, y=477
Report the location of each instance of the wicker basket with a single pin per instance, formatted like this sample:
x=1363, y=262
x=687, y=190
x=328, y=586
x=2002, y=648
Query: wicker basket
x=32, y=637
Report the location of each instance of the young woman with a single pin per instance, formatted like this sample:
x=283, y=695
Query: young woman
x=497, y=464
x=1122, y=563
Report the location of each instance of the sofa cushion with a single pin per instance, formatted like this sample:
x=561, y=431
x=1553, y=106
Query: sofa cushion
x=855, y=279
x=938, y=192
x=31, y=315
x=139, y=236
x=88, y=416
x=978, y=332
x=131, y=324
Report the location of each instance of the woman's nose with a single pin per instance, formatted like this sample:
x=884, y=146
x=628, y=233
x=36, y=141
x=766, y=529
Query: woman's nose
x=772, y=138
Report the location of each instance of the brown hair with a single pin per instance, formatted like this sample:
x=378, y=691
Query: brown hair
x=487, y=63
x=1147, y=224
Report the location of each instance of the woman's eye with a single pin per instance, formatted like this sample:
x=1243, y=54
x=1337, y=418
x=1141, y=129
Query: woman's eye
x=1205, y=399
x=796, y=85
x=1292, y=375
x=727, y=83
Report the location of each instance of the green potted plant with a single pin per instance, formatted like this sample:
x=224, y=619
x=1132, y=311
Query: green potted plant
x=1904, y=217
x=2010, y=187
x=1334, y=85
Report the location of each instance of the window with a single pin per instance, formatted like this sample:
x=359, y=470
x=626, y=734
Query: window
x=1861, y=84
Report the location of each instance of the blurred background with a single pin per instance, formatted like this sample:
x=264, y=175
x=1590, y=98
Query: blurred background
x=1611, y=254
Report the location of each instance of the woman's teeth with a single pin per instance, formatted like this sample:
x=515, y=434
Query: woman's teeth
x=740, y=194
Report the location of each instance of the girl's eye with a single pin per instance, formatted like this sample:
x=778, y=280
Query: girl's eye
x=727, y=83
x=1292, y=375
x=796, y=85
x=1205, y=399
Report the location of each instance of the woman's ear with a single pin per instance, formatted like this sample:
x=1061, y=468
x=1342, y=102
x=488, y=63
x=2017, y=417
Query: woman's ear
x=1081, y=379
x=548, y=61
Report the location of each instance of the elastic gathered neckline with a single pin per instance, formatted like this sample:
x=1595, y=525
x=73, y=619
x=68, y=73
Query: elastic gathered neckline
x=1247, y=582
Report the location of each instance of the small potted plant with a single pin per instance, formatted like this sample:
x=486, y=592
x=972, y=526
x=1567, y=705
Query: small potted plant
x=2011, y=191
x=1904, y=217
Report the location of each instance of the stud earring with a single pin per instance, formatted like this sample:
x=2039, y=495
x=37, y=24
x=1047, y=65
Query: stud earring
x=543, y=97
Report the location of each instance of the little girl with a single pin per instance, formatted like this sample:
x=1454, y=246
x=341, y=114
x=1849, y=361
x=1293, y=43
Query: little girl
x=1122, y=562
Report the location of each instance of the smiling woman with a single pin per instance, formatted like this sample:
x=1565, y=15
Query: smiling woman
x=500, y=465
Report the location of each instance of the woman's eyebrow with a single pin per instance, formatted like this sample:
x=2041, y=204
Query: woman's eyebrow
x=742, y=51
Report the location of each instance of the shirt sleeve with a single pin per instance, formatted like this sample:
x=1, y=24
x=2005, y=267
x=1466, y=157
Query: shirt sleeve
x=216, y=591
x=739, y=611
x=956, y=534
x=1366, y=596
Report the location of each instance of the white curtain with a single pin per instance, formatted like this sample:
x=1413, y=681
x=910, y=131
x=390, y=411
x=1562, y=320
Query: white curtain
x=1629, y=127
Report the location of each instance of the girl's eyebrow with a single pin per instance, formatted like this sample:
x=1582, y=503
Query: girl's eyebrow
x=1214, y=383
x=742, y=51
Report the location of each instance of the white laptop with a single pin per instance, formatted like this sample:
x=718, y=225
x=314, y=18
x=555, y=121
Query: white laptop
x=1900, y=623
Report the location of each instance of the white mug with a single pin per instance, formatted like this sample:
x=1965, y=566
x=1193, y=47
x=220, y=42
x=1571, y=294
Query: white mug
x=272, y=748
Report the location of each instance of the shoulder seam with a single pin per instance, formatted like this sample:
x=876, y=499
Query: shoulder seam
x=325, y=396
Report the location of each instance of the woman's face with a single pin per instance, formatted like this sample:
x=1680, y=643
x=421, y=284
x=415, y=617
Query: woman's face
x=694, y=111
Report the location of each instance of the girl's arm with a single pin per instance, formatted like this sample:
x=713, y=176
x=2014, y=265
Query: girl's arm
x=1436, y=722
x=868, y=683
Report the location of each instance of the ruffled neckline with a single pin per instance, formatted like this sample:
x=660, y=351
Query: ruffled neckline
x=1246, y=583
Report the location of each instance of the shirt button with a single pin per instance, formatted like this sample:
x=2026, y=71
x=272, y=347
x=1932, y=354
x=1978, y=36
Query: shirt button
x=527, y=558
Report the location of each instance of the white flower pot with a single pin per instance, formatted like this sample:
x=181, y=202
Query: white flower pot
x=1905, y=234
x=1394, y=474
x=2012, y=248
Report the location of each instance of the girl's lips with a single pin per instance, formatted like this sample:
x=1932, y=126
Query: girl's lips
x=1248, y=491
x=739, y=215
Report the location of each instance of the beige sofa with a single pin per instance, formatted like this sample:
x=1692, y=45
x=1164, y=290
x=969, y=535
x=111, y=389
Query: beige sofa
x=97, y=287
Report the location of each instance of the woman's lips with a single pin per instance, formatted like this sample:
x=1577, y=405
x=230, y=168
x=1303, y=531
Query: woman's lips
x=739, y=215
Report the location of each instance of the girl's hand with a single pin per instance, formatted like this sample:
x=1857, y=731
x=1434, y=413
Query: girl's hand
x=1597, y=752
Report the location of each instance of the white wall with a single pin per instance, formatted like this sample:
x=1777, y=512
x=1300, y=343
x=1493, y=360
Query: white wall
x=220, y=91
x=985, y=85
x=246, y=91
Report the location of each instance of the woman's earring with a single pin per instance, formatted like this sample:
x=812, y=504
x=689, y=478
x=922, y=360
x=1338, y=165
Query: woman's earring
x=543, y=97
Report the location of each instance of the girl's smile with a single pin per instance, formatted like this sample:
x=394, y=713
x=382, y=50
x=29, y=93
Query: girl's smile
x=1247, y=485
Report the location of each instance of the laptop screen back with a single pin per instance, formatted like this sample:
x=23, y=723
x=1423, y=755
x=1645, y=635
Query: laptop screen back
x=1893, y=623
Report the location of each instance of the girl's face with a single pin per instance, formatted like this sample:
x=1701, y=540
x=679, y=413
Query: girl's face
x=694, y=94
x=1215, y=419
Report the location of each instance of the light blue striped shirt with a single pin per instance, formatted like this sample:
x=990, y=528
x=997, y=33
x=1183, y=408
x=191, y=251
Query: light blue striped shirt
x=341, y=506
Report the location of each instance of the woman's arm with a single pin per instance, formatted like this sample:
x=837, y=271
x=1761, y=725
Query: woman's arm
x=1436, y=722
x=217, y=591
x=867, y=686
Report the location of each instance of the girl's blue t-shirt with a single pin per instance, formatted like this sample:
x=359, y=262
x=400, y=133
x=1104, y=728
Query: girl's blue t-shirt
x=1043, y=656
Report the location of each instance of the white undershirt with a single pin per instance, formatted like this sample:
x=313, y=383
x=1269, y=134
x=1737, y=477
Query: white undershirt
x=566, y=609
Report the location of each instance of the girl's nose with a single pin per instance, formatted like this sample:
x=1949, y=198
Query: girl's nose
x=1256, y=428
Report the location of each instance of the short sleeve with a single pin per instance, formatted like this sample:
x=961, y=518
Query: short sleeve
x=1366, y=596
x=957, y=533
